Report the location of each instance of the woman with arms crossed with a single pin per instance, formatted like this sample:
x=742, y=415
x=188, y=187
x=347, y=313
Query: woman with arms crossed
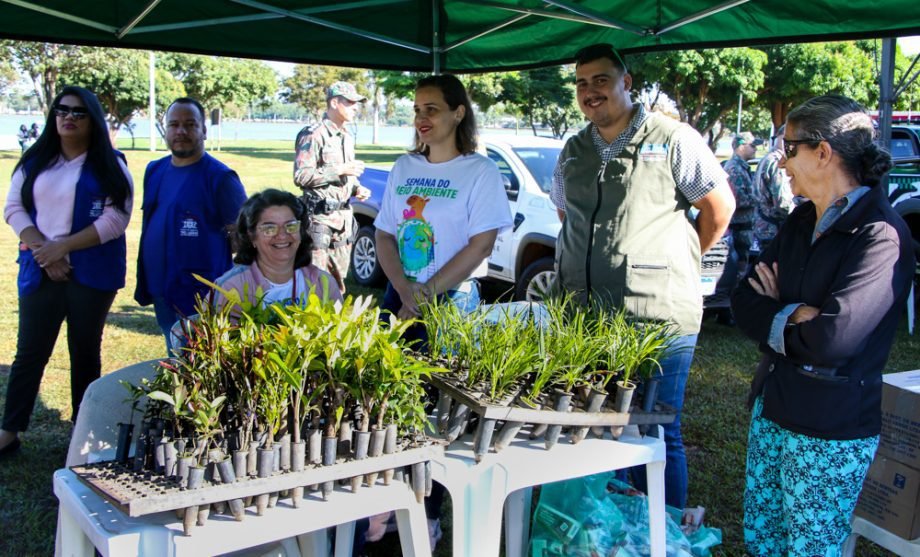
x=824, y=303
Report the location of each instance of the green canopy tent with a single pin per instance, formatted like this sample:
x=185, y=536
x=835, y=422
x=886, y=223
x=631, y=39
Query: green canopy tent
x=446, y=35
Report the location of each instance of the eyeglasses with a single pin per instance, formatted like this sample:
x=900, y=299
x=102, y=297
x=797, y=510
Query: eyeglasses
x=791, y=146
x=78, y=112
x=270, y=229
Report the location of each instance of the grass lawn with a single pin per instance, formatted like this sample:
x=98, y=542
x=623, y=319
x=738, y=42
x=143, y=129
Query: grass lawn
x=715, y=419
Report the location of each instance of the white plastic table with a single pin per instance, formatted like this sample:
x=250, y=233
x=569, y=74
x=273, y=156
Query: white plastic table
x=89, y=520
x=884, y=538
x=480, y=491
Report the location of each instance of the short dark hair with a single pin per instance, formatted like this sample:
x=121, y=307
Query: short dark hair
x=454, y=95
x=191, y=101
x=249, y=217
x=597, y=51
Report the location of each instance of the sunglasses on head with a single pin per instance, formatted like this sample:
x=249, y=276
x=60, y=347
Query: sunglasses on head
x=78, y=112
x=270, y=229
x=791, y=146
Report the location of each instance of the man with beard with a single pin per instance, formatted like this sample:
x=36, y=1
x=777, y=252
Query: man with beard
x=624, y=187
x=190, y=201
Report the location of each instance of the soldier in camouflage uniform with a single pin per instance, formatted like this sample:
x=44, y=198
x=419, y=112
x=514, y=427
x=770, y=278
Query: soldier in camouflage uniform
x=326, y=170
x=741, y=180
x=773, y=193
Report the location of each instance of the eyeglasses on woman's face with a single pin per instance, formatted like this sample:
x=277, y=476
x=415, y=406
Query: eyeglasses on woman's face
x=77, y=112
x=271, y=229
x=791, y=146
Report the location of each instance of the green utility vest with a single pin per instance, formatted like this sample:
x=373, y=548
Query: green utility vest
x=627, y=238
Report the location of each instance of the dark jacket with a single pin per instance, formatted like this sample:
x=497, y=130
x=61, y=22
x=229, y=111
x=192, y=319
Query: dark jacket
x=859, y=274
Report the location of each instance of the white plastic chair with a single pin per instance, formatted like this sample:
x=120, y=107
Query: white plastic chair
x=880, y=536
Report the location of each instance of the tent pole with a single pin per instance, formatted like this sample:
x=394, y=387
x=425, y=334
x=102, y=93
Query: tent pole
x=886, y=97
x=886, y=94
x=435, y=38
x=152, y=109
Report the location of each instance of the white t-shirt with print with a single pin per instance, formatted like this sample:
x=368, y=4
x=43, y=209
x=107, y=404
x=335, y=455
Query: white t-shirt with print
x=433, y=209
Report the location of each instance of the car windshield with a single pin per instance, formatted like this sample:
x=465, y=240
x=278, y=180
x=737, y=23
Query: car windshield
x=540, y=161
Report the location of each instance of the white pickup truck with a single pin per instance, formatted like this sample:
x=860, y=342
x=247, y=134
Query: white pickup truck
x=524, y=254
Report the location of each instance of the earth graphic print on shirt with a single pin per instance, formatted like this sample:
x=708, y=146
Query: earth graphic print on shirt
x=415, y=236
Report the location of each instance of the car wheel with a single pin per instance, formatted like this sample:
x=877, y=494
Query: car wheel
x=536, y=280
x=364, y=265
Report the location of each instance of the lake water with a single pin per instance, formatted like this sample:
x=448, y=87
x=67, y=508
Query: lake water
x=236, y=130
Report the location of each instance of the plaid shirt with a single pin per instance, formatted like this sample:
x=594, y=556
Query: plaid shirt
x=695, y=169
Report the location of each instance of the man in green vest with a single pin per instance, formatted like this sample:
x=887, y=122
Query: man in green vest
x=624, y=187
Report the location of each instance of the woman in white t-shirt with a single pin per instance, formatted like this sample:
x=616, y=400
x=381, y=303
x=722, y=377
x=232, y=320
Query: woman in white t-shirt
x=443, y=207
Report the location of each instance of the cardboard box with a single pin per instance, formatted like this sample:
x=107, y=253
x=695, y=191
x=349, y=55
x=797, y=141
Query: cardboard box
x=890, y=496
x=900, y=439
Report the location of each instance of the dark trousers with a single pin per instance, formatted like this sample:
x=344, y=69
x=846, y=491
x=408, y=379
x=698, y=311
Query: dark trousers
x=40, y=316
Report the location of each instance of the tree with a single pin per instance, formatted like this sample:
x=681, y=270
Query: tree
x=484, y=89
x=8, y=74
x=545, y=96
x=307, y=87
x=704, y=84
x=119, y=78
x=217, y=82
x=42, y=62
x=798, y=72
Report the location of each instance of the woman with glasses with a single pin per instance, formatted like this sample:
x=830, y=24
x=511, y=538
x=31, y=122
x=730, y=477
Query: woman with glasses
x=69, y=202
x=823, y=303
x=272, y=244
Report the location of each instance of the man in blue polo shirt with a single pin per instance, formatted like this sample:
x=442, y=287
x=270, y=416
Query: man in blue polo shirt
x=190, y=201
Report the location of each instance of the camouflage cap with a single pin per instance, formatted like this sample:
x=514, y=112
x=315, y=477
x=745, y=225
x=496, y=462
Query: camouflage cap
x=344, y=89
x=746, y=138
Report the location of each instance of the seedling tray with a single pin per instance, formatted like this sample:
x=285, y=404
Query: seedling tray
x=457, y=403
x=143, y=493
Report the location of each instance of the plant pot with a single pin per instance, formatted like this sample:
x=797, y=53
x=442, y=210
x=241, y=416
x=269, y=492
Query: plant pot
x=389, y=447
x=228, y=476
x=252, y=461
x=195, y=480
x=595, y=400
x=123, y=448
x=443, y=407
x=562, y=400
x=298, y=456
x=345, y=438
x=459, y=416
x=482, y=438
x=240, y=464
x=172, y=457
x=314, y=446
x=183, y=466
x=650, y=398
x=506, y=435
x=140, y=453
x=314, y=449
x=286, y=452
x=362, y=443
x=330, y=445
x=266, y=463
x=418, y=481
x=621, y=403
x=276, y=458
x=378, y=440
